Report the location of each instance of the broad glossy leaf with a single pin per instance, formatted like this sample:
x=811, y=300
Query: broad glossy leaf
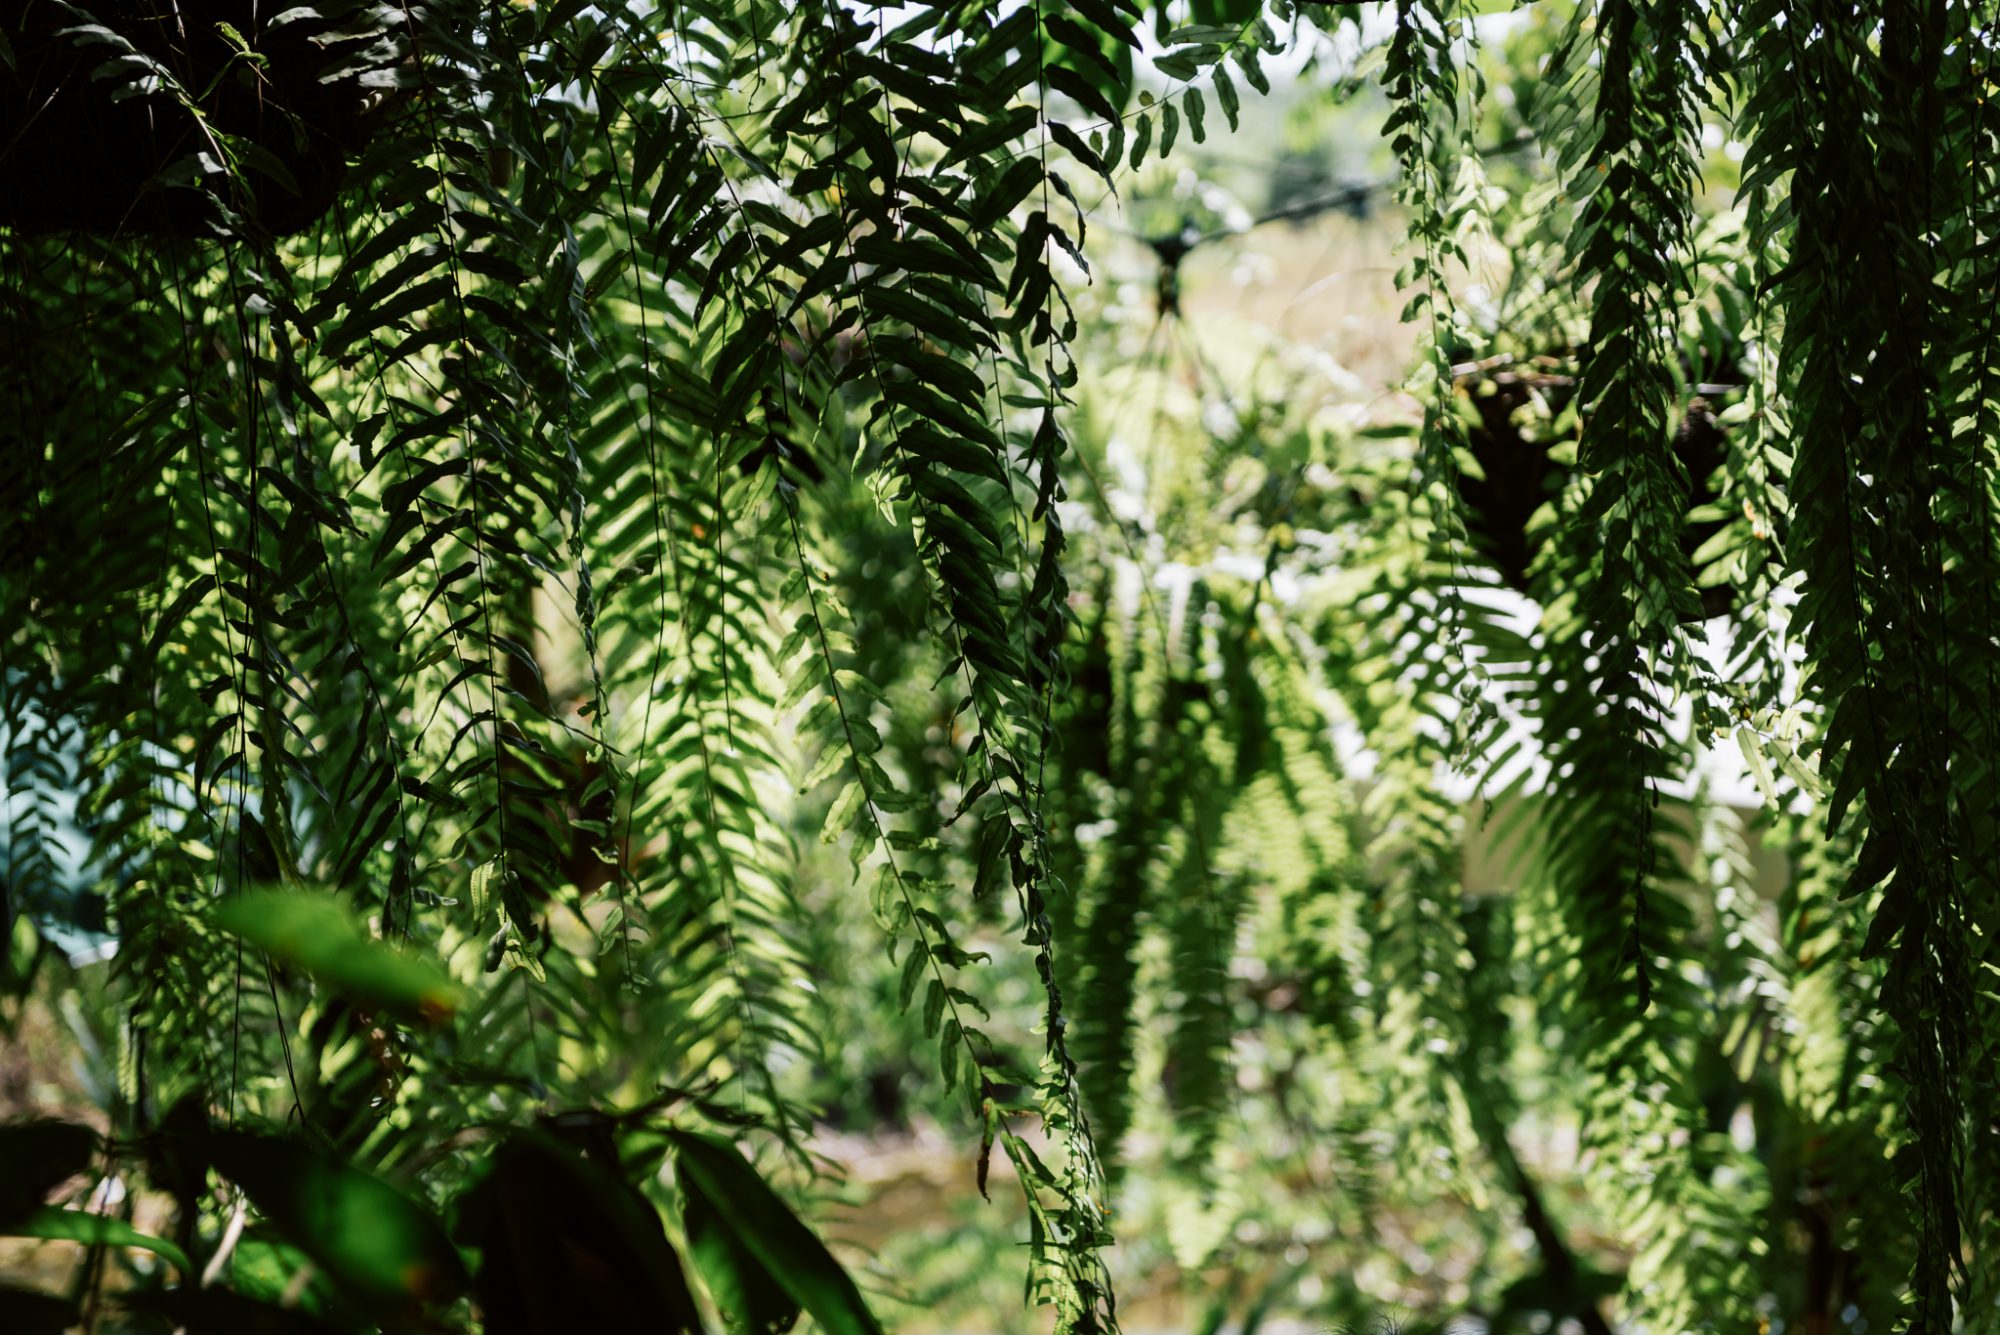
x=369, y=1236
x=95, y=1230
x=771, y=1234
x=314, y=931
x=745, y=1293
x=567, y=1245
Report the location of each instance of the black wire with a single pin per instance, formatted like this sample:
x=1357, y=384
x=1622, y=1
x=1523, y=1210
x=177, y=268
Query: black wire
x=1173, y=247
x=1353, y=198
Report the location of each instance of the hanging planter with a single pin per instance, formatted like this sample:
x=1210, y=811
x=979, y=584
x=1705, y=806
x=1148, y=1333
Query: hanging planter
x=167, y=118
x=1512, y=435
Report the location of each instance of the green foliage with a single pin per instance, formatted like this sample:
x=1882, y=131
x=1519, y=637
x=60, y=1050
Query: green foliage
x=565, y=612
x=370, y=1238
x=753, y=1238
x=311, y=932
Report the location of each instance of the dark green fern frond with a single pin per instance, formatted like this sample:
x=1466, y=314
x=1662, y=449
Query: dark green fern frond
x=1862, y=121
